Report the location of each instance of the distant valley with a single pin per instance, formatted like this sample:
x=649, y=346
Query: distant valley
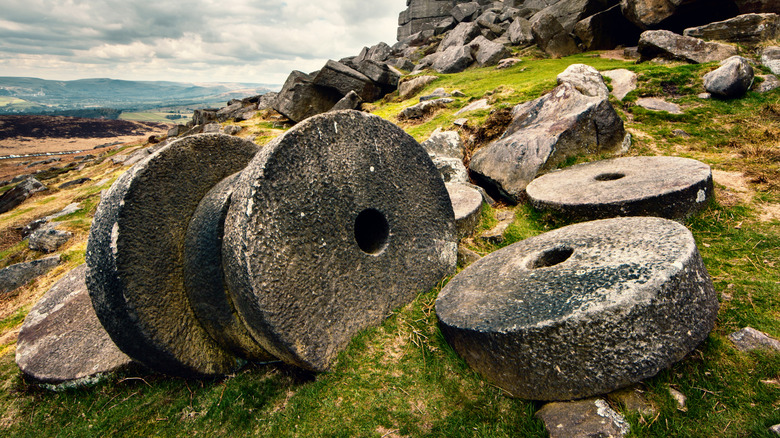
x=108, y=98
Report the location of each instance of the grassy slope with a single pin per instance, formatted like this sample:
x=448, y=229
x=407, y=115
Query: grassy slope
x=401, y=378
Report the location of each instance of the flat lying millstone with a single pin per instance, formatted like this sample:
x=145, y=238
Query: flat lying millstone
x=582, y=310
x=62, y=341
x=203, y=275
x=669, y=187
x=467, y=206
x=334, y=224
x=135, y=254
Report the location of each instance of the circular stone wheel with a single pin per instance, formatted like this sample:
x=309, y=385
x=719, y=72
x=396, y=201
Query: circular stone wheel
x=582, y=310
x=669, y=187
x=332, y=226
x=135, y=255
x=62, y=341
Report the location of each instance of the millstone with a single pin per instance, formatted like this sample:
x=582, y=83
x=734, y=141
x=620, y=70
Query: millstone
x=467, y=206
x=582, y=310
x=203, y=275
x=62, y=341
x=669, y=187
x=135, y=254
x=334, y=224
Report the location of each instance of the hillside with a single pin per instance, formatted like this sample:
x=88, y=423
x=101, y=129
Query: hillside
x=402, y=379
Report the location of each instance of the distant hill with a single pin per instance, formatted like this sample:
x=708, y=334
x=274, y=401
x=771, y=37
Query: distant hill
x=20, y=95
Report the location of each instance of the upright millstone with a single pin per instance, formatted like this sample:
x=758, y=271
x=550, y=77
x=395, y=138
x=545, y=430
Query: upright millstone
x=582, y=310
x=333, y=225
x=135, y=255
x=62, y=342
x=669, y=187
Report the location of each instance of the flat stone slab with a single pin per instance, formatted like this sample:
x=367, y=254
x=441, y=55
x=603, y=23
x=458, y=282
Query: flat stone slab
x=750, y=339
x=467, y=206
x=334, y=224
x=136, y=260
x=655, y=104
x=62, y=340
x=669, y=187
x=581, y=310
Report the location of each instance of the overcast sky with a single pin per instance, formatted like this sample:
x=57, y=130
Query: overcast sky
x=258, y=41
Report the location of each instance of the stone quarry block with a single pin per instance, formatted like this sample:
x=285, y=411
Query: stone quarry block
x=467, y=206
x=581, y=310
x=62, y=341
x=135, y=254
x=203, y=275
x=669, y=187
x=335, y=223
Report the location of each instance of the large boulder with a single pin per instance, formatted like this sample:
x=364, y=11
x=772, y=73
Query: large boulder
x=669, y=45
x=300, y=99
x=732, y=79
x=421, y=15
x=384, y=77
x=14, y=197
x=757, y=6
x=460, y=36
x=569, y=12
x=343, y=79
x=465, y=11
x=453, y=60
x=551, y=37
x=62, y=341
x=677, y=14
x=487, y=52
x=748, y=28
x=14, y=276
x=519, y=32
x=582, y=310
x=48, y=239
x=413, y=86
x=135, y=255
x=586, y=79
x=543, y=133
x=334, y=224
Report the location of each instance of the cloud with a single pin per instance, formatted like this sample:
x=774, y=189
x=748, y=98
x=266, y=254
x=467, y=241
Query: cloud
x=197, y=40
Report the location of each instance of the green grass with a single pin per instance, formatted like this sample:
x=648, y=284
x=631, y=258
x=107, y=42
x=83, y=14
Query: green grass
x=152, y=116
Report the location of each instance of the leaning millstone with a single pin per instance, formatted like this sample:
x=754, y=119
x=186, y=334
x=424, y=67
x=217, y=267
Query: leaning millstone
x=62, y=341
x=582, y=418
x=669, y=187
x=135, y=254
x=334, y=224
x=581, y=310
x=203, y=275
x=467, y=205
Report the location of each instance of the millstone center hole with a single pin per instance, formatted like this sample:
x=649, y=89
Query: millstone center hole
x=371, y=231
x=552, y=257
x=609, y=176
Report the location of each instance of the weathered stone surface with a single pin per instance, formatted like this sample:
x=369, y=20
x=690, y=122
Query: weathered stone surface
x=632, y=399
x=301, y=99
x=204, y=116
x=623, y=82
x=586, y=79
x=467, y=205
x=423, y=108
x=445, y=144
x=453, y=60
x=505, y=218
x=750, y=339
x=343, y=79
x=75, y=182
x=135, y=255
x=508, y=62
x=747, y=28
x=569, y=12
x=551, y=37
x=413, y=86
x=669, y=45
x=62, y=341
x=467, y=256
x=582, y=418
x=731, y=80
x=203, y=275
x=769, y=83
x=542, y=134
x=465, y=11
x=519, y=32
x=770, y=58
x=480, y=104
x=757, y=6
x=422, y=15
x=48, y=239
x=231, y=129
x=349, y=102
x=383, y=76
x=177, y=131
x=656, y=104
x=320, y=226
x=487, y=52
x=581, y=310
x=435, y=94
x=451, y=169
x=18, y=275
x=460, y=36
x=669, y=187
x=14, y=197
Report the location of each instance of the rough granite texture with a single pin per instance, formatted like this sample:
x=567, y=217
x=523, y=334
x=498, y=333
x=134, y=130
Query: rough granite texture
x=582, y=419
x=582, y=310
x=19, y=274
x=62, y=340
x=467, y=205
x=334, y=224
x=669, y=187
x=135, y=254
x=203, y=275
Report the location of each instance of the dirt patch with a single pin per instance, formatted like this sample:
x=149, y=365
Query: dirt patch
x=736, y=189
x=769, y=212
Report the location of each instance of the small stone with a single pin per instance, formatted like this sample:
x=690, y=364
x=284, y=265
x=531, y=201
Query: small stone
x=75, y=182
x=474, y=106
x=48, y=240
x=231, y=129
x=655, y=104
x=750, y=339
x=679, y=398
x=460, y=122
x=419, y=110
x=731, y=80
x=582, y=418
x=770, y=58
x=680, y=133
x=14, y=197
x=704, y=96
